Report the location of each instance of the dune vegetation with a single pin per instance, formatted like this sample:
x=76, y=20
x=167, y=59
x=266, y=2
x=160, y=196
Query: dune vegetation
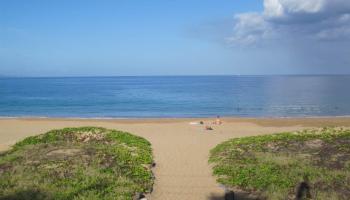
x=305, y=164
x=77, y=163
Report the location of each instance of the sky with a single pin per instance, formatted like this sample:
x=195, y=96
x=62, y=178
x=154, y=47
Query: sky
x=174, y=37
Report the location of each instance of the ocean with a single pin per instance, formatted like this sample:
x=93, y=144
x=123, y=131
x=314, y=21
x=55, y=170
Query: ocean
x=176, y=96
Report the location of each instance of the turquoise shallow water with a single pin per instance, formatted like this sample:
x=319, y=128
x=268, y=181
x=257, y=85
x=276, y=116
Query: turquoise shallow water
x=176, y=96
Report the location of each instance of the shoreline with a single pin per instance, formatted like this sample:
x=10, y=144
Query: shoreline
x=263, y=121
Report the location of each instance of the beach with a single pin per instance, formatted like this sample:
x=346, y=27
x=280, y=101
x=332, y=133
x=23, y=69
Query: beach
x=180, y=148
x=174, y=100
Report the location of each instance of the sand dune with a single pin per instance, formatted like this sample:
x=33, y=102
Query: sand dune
x=181, y=150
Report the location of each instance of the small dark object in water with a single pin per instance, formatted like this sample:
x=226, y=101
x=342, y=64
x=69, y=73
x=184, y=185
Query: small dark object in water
x=229, y=195
x=303, y=190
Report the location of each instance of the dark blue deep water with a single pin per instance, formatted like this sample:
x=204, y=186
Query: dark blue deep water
x=176, y=96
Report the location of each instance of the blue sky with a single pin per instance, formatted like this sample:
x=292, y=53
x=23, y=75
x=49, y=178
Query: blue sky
x=178, y=37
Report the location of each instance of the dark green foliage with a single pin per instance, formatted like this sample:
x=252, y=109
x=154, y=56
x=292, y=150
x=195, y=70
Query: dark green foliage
x=272, y=166
x=77, y=163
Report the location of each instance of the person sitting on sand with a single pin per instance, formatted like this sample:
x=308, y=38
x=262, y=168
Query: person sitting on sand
x=218, y=120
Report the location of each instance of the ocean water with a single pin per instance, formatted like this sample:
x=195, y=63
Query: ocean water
x=175, y=96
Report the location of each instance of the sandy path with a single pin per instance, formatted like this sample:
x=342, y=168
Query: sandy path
x=181, y=150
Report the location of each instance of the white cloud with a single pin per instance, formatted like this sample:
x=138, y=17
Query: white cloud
x=297, y=19
x=281, y=8
x=249, y=28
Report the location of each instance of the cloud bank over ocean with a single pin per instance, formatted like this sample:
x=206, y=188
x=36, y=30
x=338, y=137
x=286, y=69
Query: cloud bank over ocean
x=320, y=20
x=294, y=35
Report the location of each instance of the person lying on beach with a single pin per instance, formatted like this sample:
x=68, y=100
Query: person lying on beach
x=197, y=123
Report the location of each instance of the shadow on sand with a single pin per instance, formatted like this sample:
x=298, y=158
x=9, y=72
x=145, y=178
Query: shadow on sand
x=237, y=196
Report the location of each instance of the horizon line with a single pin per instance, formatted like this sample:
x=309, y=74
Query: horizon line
x=189, y=75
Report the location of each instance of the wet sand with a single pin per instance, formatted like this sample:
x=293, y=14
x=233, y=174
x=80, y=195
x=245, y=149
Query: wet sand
x=180, y=150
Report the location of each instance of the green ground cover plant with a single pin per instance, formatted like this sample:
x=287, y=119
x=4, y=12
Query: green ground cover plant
x=274, y=166
x=77, y=163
